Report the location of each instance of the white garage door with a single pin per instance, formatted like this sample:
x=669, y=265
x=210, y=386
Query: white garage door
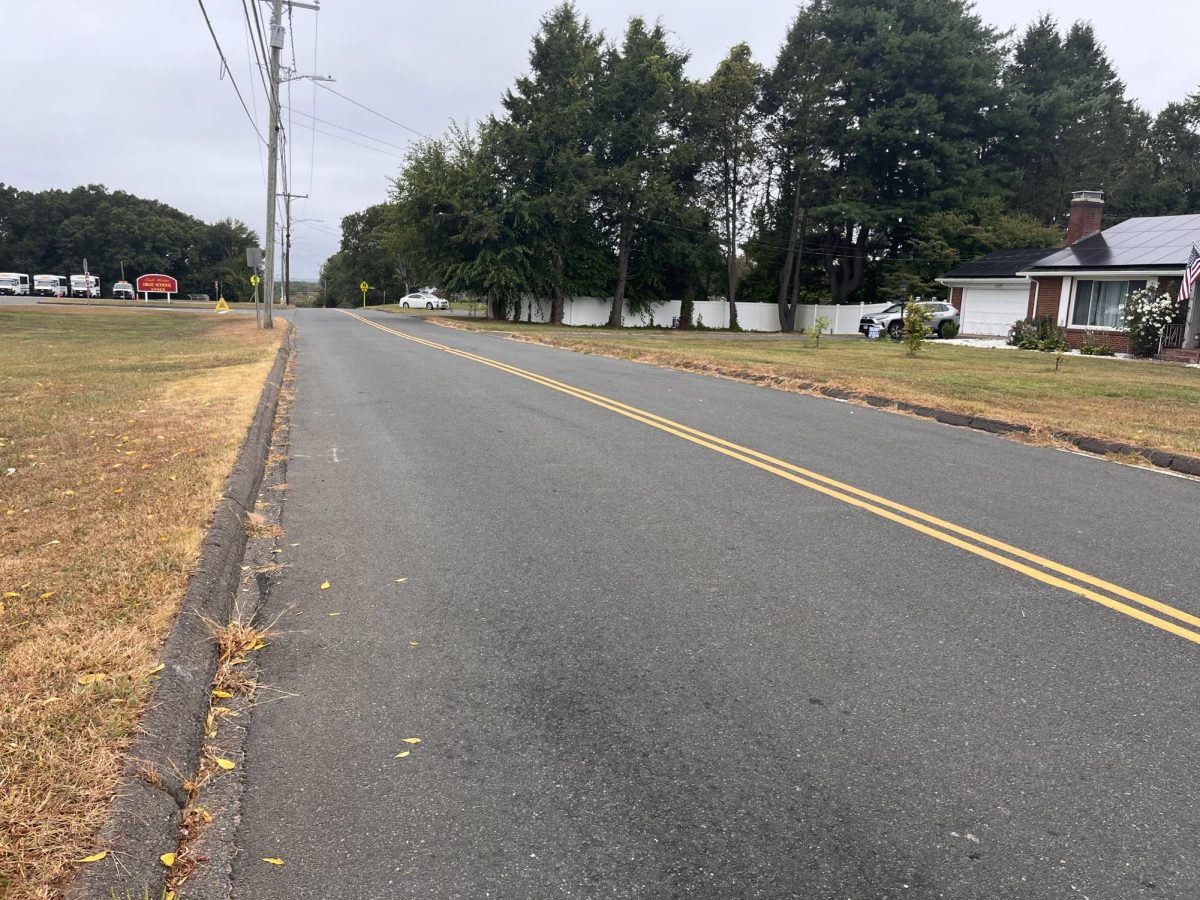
x=992, y=310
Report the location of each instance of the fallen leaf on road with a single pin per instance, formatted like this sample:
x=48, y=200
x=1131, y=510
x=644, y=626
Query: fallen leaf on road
x=157, y=669
x=413, y=644
x=412, y=740
x=335, y=614
x=401, y=580
x=92, y=677
x=95, y=857
x=403, y=754
x=224, y=695
x=273, y=860
x=224, y=763
x=324, y=585
x=167, y=859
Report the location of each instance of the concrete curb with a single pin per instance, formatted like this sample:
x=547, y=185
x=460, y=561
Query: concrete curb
x=143, y=819
x=1163, y=459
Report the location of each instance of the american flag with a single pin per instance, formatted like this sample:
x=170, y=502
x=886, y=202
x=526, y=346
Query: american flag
x=1191, y=276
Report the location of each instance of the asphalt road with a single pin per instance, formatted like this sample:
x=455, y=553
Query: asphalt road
x=641, y=667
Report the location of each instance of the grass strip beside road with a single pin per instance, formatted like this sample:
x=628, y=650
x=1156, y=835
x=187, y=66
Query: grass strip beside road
x=119, y=430
x=1149, y=404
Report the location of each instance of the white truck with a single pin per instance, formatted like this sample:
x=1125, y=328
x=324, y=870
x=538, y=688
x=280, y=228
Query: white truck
x=85, y=286
x=14, y=284
x=123, y=290
x=50, y=285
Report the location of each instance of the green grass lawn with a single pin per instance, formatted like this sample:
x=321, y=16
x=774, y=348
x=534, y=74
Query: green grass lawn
x=1138, y=402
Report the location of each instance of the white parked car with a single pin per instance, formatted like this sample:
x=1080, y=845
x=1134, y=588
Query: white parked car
x=122, y=290
x=419, y=299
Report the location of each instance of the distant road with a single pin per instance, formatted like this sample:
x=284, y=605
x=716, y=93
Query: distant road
x=664, y=635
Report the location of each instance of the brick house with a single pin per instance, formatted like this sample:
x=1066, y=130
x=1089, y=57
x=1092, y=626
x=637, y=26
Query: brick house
x=1084, y=285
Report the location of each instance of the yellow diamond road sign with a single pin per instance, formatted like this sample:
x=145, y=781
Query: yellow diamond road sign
x=254, y=279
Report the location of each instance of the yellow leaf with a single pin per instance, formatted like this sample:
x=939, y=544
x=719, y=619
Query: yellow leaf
x=174, y=477
x=157, y=669
x=225, y=764
x=119, y=490
x=205, y=815
x=413, y=644
x=95, y=857
x=92, y=677
x=11, y=595
x=335, y=614
x=169, y=895
x=69, y=493
x=224, y=695
x=412, y=740
x=401, y=580
x=273, y=860
x=324, y=585
x=257, y=645
x=46, y=596
x=167, y=859
x=403, y=754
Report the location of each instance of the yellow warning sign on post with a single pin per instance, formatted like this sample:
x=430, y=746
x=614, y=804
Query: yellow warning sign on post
x=221, y=306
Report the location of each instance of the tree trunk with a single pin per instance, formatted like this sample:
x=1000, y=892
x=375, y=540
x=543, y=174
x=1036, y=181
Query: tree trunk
x=787, y=306
x=618, y=307
x=731, y=200
x=556, y=292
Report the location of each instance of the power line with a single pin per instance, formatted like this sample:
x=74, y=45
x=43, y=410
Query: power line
x=225, y=63
x=338, y=137
x=374, y=112
x=350, y=130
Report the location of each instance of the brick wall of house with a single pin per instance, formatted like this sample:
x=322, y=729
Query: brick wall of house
x=956, y=298
x=1048, y=294
x=1117, y=340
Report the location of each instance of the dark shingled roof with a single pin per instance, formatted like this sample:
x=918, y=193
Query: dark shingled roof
x=1149, y=242
x=1001, y=264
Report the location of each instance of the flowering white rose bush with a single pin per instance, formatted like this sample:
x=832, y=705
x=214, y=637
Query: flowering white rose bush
x=1147, y=313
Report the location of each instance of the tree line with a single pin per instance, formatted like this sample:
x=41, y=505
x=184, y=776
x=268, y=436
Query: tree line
x=888, y=142
x=53, y=231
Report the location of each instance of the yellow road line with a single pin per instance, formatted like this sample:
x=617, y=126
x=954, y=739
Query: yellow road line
x=932, y=526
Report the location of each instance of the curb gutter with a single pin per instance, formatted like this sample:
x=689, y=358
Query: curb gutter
x=143, y=820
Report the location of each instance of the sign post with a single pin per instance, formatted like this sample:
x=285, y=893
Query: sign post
x=364, y=287
x=254, y=280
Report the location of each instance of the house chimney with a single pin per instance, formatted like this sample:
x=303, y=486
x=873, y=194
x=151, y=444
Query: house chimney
x=1087, y=212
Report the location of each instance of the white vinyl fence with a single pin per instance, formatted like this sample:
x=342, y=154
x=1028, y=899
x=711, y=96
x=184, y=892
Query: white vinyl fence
x=711, y=313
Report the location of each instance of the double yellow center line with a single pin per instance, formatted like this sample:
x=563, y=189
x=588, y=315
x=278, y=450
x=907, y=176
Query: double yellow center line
x=1037, y=567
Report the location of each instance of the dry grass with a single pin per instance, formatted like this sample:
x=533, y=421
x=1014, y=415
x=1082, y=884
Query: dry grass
x=1145, y=403
x=121, y=428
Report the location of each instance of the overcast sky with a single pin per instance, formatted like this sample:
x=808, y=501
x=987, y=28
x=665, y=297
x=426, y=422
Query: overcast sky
x=126, y=93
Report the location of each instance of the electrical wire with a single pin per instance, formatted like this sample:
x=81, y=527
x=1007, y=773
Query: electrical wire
x=350, y=130
x=338, y=137
x=225, y=63
x=373, y=111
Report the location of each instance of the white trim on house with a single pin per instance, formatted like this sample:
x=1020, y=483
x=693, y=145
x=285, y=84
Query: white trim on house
x=1104, y=274
x=980, y=282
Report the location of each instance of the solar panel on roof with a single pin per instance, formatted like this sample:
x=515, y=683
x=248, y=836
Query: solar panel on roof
x=1144, y=242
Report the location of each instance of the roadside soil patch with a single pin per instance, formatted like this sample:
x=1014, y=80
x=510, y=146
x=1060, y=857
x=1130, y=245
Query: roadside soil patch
x=116, y=434
x=1147, y=404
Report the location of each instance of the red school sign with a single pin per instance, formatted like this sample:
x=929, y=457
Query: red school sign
x=157, y=284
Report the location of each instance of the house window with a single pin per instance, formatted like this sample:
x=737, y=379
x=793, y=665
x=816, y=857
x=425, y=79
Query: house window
x=1101, y=304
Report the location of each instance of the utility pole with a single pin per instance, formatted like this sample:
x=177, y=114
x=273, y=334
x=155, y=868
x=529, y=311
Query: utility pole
x=272, y=160
x=287, y=243
x=276, y=41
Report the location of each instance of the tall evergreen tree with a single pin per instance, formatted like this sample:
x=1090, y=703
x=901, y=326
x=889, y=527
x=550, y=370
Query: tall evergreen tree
x=730, y=122
x=641, y=104
x=546, y=142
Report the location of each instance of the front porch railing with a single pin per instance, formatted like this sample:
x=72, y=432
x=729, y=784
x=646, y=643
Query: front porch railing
x=1171, y=337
